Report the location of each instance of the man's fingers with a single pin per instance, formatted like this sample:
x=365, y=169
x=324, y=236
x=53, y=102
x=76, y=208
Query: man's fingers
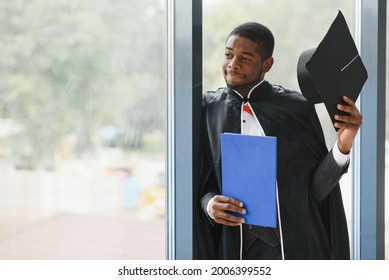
x=349, y=119
x=349, y=126
x=352, y=120
x=228, y=219
x=227, y=222
x=348, y=101
x=222, y=209
x=226, y=199
x=350, y=108
x=345, y=108
x=229, y=200
x=224, y=203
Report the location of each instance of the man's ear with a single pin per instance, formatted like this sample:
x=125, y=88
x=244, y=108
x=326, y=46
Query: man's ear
x=267, y=64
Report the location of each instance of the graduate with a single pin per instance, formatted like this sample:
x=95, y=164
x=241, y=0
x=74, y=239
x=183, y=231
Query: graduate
x=311, y=222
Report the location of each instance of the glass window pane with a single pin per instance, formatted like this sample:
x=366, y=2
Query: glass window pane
x=296, y=26
x=82, y=129
x=387, y=142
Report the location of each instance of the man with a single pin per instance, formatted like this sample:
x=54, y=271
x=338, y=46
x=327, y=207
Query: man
x=311, y=219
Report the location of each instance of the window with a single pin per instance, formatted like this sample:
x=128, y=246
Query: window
x=82, y=129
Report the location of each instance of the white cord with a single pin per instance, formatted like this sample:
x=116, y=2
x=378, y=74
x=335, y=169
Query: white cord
x=281, y=237
x=241, y=242
x=279, y=221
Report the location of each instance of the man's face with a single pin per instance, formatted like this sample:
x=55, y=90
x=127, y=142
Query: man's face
x=243, y=66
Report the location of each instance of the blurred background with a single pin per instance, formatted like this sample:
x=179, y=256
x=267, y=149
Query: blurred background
x=82, y=116
x=82, y=93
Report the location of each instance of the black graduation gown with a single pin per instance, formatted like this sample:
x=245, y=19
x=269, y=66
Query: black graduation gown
x=310, y=229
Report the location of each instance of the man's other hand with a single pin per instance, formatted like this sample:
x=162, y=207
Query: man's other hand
x=220, y=210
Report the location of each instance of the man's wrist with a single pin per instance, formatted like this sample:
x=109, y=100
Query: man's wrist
x=340, y=157
x=344, y=149
x=209, y=207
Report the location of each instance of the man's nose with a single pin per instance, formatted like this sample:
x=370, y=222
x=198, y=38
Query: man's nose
x=234, y=63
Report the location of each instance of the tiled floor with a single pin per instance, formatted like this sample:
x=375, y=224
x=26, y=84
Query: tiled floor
x=70, y=236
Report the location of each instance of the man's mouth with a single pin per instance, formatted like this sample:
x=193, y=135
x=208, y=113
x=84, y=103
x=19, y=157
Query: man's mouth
x=234, y=74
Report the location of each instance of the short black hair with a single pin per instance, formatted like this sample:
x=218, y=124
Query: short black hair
x=257, y=33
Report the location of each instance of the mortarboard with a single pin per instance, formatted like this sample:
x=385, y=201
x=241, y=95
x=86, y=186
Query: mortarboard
x=333, y=69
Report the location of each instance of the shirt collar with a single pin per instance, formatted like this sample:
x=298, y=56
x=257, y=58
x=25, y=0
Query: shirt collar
x=251, y=90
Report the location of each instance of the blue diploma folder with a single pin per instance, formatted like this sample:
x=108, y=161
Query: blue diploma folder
x=249, y=174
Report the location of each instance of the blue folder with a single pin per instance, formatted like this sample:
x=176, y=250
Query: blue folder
x=249, y=174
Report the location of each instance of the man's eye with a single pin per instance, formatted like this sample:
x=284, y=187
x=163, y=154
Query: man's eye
x=228, y=55
x=246, y=59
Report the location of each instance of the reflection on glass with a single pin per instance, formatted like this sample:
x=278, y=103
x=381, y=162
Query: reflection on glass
x=81, y=129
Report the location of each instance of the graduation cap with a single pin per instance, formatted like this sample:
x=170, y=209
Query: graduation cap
x=333, y=69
